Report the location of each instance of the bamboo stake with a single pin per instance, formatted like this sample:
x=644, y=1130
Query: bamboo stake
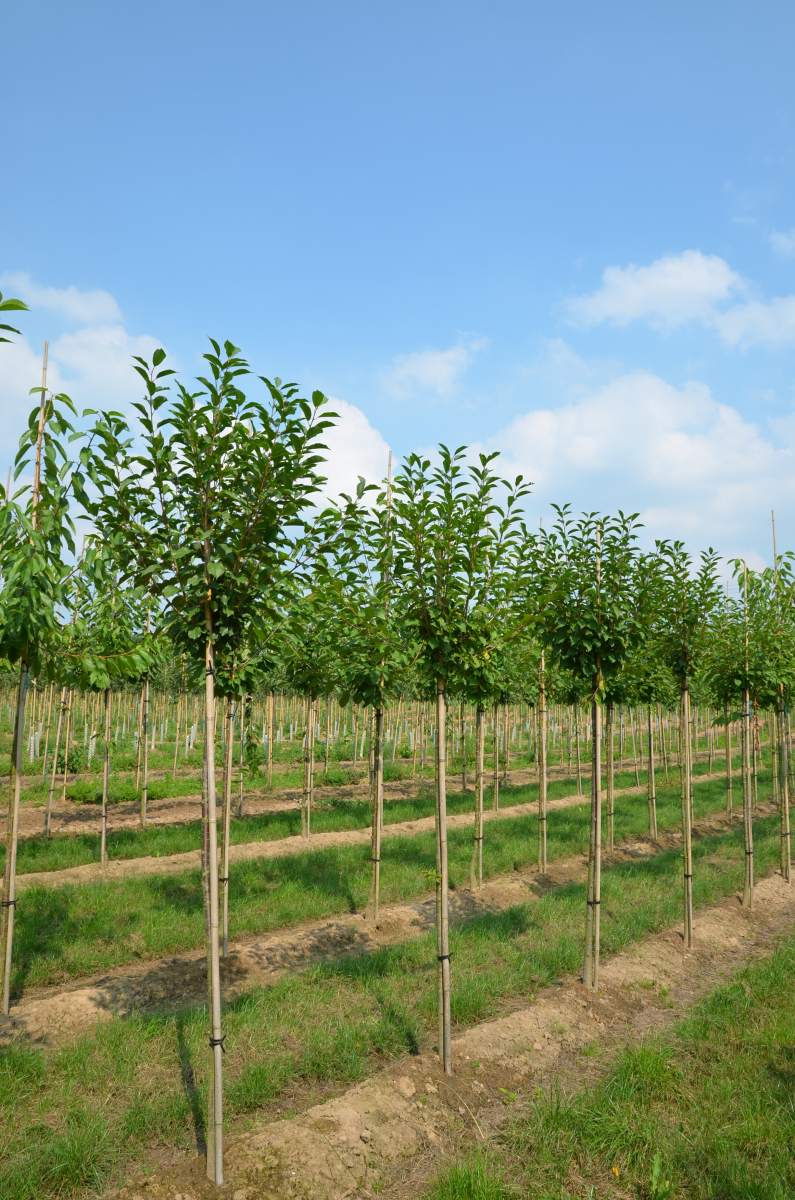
x=377, y=799
x=103, y=840
x=593, y=923
x=542, y=767
x=651, y=782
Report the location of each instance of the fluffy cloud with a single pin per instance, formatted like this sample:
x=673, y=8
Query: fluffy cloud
x=689, y=288
x=693, y=467
x=434, y=372
x=355, y=448
x=93, y=307
x=669, y=292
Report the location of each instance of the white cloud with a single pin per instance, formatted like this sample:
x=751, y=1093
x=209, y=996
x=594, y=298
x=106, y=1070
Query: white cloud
x=95, y=307
x=783, y=242
x=355, y=448
x=431, y=371
x=689, y=288
x=668, y=293
x=693, y=467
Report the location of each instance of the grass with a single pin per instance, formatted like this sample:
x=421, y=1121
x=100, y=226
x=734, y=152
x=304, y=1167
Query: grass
x=706, y=1112
x=332, y=1024
x=61, y=851
x=73, y=930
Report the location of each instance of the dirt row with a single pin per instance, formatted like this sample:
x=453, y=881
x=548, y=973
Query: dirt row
x=386, y=1136
x=175, y=864
x=53, y=1014
x=85, y=818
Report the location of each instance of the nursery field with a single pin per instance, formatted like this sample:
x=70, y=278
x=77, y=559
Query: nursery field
x=379, y=846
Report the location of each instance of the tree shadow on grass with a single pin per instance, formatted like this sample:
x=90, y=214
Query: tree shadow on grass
x=189, y=1086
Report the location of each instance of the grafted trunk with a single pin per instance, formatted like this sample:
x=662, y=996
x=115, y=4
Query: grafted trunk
x=476, y=872
x=442, y=884
x=594, y=899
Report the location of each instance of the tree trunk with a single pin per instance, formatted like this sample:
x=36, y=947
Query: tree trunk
x=783, y=775
x=687, y=813
x=309, y=767
x=215, y=1151
x=652, y=783
x=729, y=780
x=476, y=872
x=377, y=794
x=611, y=777
x=9, y=900
x=495, y=800
x=226, y=822
x=270, y=739
x=592, y=921
x=442, y=884
x=103, y=843
x=542, y=768
x=144, y=751
x=748, y=825
x=54, y=769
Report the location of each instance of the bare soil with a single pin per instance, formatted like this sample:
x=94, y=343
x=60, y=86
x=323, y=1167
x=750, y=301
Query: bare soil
x=387, y=1135
x=175, y=864
x=52, y=1015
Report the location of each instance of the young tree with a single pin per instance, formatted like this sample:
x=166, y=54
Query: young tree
x=198, y=510
x=685, y=602
x=36, y=536
x=454, y=548
x=595, y=617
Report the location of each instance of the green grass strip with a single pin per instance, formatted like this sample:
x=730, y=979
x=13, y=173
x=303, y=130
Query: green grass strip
x=145, y=1075
x=705, y=1113
x=79, y=929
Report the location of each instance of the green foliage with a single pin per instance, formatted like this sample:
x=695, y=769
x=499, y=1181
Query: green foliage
x=10, y=304
x=685, y=601
x=457, y=537
x=200, y=509
x=597, y=589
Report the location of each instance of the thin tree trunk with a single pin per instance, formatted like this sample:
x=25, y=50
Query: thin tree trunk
x=594, y=900
x=652, y=783
x=729, y=779
x=309, y=767
x=611, y=777
x=542, y=767
x=377, y=794
x=495, y=800
x=103, y=844
x=783, y=774
x=442, y=884
x=54, y=769
x=476, y=872
x=687, y=814
x=9, y=900
x=748, y=825
x=215, y=1122
x=269, y=776
x=226, y=823
x=144, y=751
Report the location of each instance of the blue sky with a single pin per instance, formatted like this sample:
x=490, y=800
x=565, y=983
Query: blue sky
x=567, y=231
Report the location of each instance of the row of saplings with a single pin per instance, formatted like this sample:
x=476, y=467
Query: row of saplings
x=203, y=518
